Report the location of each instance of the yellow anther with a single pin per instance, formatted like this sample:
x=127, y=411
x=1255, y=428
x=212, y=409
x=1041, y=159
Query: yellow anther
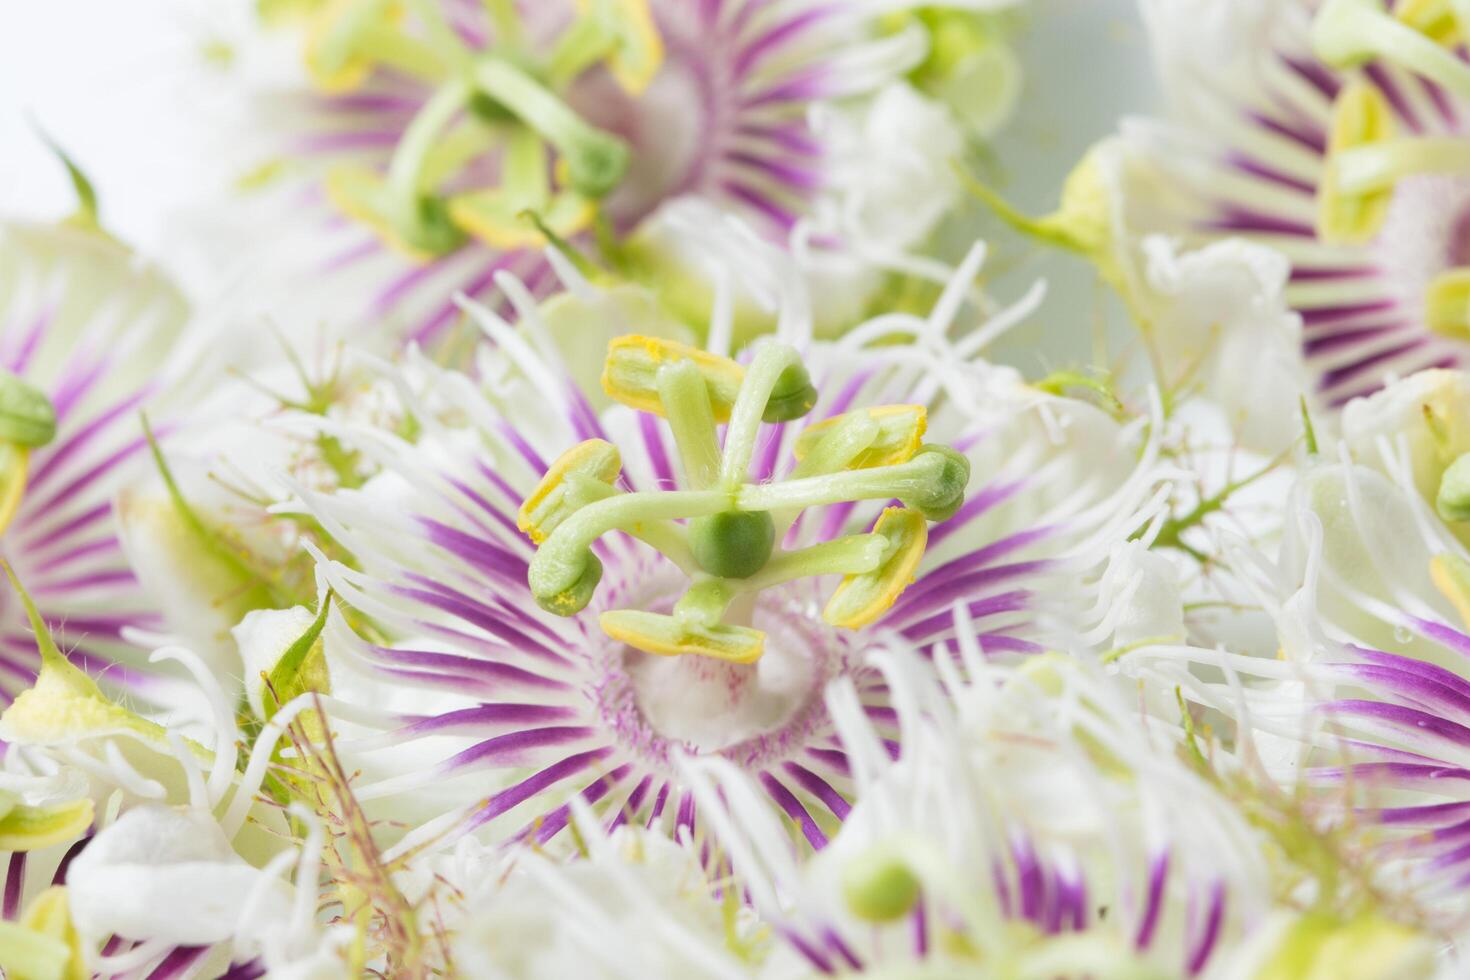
x=639, y=50
x=499, y=218
x=331, y=56
x=861, y=599
x=630, y=374
x=582, y=474
x=1360, y=117
x=14, y=465
x=665, y=636
x=900, y=433
x=1451, y=576
x=1435, y=19
x=1447, y=303
x=30, y=828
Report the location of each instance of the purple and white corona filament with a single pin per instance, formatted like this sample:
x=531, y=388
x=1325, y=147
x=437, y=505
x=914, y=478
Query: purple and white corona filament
x=544, y=706
x=87, y=327
x=1334, y=132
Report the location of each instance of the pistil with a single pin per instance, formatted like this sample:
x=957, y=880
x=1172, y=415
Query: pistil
x=724, y=531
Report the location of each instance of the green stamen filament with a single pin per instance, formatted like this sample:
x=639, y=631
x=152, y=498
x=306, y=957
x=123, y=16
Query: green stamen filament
x=1379, y=166
x=729, y=546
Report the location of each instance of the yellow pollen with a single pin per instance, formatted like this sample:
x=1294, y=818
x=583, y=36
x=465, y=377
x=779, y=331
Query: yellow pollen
x=665, y=636
x=630, y=374
x=14, y=467
x=861, y=599
x=901, y=432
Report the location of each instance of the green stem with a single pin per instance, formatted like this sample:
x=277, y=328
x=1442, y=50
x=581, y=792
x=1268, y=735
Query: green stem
x=750, y=406
x=851, y=555
x=411, y=156
x=685, y=398
x=832, y=454
x=580, y=45
x=1378, y=166
x=634, y=513
x=914, y=478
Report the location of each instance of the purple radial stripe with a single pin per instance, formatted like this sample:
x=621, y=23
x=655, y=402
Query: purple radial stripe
x=330, y=142
x=798, y=177
x=981, y=557
x=391, y=295
x=768, y=452
x=1440, y=633
x=527, y=452
x=1409, y=721
x=553, y=823
x=583, y=419
x=1319, y=345
x=1302, y=133
x=1205, y=945
x=513, y=497
x=15, y=877
x=1030, y=880
x=921, y=929
x=658, y=805
x=794, y=809
x=685, y=816
x=760, y=202
x=631, y=805
x=59, y=878
x=793, y=137
x=653, y=445
x=1416, y=816
x=1316, y=74
x=808, y=951
x=91, y=580
x=90, y=476
x=178, y=962
x=478, y=552
x=482, y=716
x=992, y=606
x=991, y=496
x=833, y=759
x=834, y=520
x=942, y=592
x=351, y=256
x=819, y=788
x=1441, y=101
x=520, y=748
x=1453, y=858
x=18, y=360
x=1270, y=175
x=1154, y=907
x=1409, y=678
x=460, y=667
x=503, y=801
x=1301, y=273
x=1319, y=315
x=774, y=37
x=1376, y=74
x=473, y=288
x=1234, y=218
x=837, y=944
x=1338, y=376
x=249, y=970
x=1398, y=775
x=55, y=536
x=74, y=384
x=458, y=604
x=92, y=549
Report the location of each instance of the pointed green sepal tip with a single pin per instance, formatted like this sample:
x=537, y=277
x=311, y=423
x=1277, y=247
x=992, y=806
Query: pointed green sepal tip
x=1453, y=499
x=792, y=396
x=879, y=887
x=26, y=415
x=563, y=586
x=734, y=544
x=944, y=494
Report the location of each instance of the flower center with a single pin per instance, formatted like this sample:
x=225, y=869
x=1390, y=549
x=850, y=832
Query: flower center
x=747, y=712
x=722, y=531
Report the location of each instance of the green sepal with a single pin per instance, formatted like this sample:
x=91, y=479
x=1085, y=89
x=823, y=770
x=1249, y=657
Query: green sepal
x=303, y=667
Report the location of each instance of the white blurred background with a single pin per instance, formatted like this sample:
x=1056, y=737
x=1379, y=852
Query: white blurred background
x=111, y=80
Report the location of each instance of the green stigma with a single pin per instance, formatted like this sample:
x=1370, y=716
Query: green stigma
x=879, y=887
x=721, y=528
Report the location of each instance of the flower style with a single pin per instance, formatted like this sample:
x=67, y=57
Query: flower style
x=463, y=136
x=1334, y=132
x=707, y=636
x=85, y=335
